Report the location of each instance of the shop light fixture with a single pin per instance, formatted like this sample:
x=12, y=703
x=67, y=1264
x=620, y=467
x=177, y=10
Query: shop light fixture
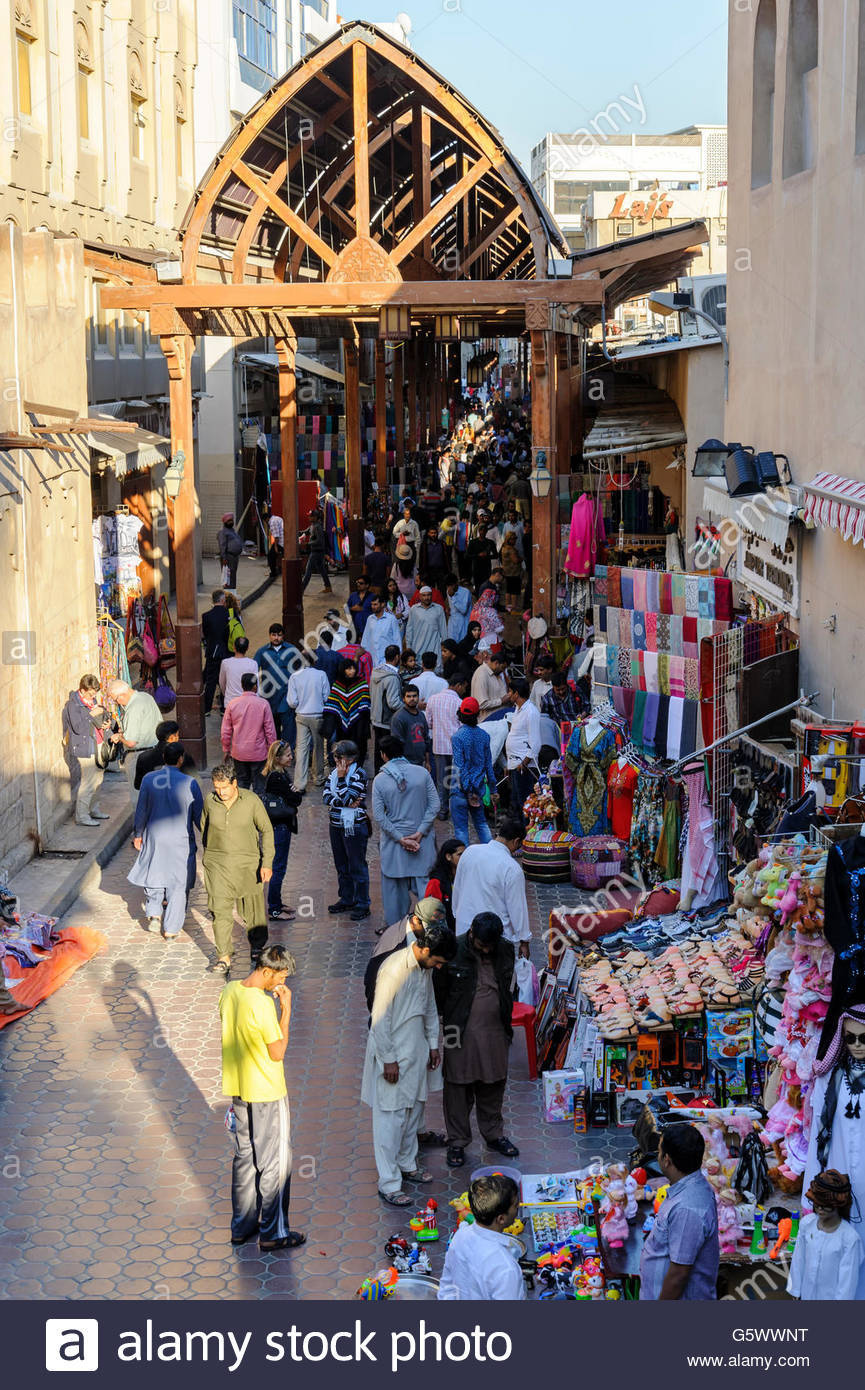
x=447, y=328
x=710, y=459
x=540, y=478
x=174, y=474
x=394, y=321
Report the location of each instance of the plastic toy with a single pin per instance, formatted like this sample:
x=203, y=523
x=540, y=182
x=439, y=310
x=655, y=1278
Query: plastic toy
x=758, y=1241
x=729, y=1221
x=516, y=1227
x=660, y=1197
x=614, y=1226
x=397, y=1245
x=425, y=1223
x=463, y=1210
x=378, y=1286
x=785, y=1227
x=648, y=1224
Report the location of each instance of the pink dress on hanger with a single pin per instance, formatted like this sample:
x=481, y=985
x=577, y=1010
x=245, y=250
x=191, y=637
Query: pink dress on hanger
x=585, y=536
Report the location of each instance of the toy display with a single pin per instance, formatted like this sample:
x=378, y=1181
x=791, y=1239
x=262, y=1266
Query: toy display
x=425, y=1223
x=405, y=1258
x=561, y=1089
x=378, y=1286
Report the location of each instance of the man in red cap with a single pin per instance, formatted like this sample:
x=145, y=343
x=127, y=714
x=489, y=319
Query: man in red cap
x=472, y=776
x=230, y=549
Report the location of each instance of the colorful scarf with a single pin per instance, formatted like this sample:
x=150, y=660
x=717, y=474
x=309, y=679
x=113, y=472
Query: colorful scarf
x=348, y=702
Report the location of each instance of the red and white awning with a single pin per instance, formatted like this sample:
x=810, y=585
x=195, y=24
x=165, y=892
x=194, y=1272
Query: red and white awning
x=837, y=504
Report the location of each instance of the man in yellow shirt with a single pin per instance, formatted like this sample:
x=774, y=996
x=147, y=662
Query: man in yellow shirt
x=254, y=1041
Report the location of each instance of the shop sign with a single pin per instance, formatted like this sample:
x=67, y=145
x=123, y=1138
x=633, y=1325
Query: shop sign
x=770, y=571
x=659, y=205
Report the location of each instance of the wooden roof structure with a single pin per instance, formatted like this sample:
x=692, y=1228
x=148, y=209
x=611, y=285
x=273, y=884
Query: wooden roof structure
x=362, y=178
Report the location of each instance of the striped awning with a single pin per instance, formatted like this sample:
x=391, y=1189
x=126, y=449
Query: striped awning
x=837, y=504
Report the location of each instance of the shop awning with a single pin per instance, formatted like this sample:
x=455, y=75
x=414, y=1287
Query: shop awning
x=768, y=514
x=130, y=450
x=635, y=418
x=837, y=504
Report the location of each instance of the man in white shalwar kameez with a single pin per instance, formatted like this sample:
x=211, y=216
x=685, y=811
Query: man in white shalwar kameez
x=402, y=1063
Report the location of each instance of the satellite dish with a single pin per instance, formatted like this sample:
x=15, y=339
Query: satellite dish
x=404, y=22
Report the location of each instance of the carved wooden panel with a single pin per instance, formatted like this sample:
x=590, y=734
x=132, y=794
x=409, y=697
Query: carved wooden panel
x=363, y=260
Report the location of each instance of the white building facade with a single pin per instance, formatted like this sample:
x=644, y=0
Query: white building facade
x=568, y=169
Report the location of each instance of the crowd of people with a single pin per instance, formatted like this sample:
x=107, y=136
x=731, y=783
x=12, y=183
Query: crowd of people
x=414, y=709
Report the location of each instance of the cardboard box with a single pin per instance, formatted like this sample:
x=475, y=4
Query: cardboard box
x=560, y=1087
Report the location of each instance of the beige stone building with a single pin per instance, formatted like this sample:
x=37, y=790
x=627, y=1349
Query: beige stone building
x=98, y=145
x=796, y=294
x=48, y=634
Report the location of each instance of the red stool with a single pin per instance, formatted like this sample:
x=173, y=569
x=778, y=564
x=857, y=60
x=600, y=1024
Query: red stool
x=523, y=1016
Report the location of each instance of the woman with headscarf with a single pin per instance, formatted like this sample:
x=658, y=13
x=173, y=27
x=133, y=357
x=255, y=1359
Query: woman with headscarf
x=467, y=649
x=405, y=568
x=486, y=613
x=347, y=710
x=837, y=1136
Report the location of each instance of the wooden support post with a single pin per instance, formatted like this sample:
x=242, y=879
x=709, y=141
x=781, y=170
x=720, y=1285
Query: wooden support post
x=190, y=715
x=399, y=404
x=292, y=564
x=352, y=458
x=544, y=510
x=361, y=139
x=563, y=406
x=380, y=417
x=411, y=349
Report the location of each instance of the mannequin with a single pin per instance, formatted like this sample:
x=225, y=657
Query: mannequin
x=837, y=1137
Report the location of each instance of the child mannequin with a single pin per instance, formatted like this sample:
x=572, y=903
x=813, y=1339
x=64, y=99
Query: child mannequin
x=828, y=1252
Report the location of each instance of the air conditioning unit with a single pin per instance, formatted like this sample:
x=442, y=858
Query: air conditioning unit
x=710, y=297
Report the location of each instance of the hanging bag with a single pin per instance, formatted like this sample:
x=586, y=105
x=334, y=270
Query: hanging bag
x=134, y=622
x=167, y=641
x=149, y=644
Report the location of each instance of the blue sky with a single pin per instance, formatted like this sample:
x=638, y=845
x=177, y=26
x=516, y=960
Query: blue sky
x=554, y=64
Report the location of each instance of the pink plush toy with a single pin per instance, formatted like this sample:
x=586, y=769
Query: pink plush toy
x=729, y=1223
x=790, y=900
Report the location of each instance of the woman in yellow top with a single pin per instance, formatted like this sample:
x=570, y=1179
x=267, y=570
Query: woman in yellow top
x=254, y=1041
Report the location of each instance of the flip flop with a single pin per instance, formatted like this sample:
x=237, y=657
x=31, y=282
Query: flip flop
x=420, y=1175
x=284, y=914
x=396, y=1199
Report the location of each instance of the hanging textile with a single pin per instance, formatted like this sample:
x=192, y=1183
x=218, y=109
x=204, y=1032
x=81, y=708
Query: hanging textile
x=647, y=826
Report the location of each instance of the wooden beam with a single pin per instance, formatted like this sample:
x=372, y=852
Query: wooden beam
x=399, y=404
x=281, y=208
x=292, y=565
x=361, y=139
x=544, y=381
x=380, y=417
x=432, y=295
x=478, y=246
x=421, y=163
x=631, y=253
x=411, y=376
x=352, y=457
x=436, y=214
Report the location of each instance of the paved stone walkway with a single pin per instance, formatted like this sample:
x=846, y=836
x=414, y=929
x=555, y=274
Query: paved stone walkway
x=114, y=1159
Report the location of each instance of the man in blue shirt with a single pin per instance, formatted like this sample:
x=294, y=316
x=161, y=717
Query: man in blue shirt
x=471, y=774
x=359, y=606
x=276, y=662
x=681, y=1252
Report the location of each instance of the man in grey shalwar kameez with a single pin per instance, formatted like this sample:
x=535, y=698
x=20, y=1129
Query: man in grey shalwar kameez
x=404, y=807
x=402, y=1063
x=427, y=626
x=168, y=812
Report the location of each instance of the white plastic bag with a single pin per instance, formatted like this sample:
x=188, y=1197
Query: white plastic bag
x=526, y=977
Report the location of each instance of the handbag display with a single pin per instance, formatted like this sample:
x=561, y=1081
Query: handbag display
x=167, y=641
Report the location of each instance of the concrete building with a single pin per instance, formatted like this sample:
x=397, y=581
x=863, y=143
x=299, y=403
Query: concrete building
x=796, y=299
x=605, y=159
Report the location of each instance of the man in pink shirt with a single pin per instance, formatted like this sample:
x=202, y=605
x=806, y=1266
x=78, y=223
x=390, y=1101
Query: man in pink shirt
x=248, y=731
x=441, y=713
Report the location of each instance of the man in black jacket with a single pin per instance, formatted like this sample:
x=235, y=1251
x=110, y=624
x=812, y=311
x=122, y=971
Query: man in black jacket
x=317, y=561
x=230, y=548
x=474, y=993
x=214, y=636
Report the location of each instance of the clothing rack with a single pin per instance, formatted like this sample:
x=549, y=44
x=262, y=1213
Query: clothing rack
x=755, y=724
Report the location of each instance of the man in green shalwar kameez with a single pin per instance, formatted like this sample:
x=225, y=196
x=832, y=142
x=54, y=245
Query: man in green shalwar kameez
x=237, y=863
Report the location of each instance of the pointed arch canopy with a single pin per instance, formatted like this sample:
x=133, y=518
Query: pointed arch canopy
x=363, y=163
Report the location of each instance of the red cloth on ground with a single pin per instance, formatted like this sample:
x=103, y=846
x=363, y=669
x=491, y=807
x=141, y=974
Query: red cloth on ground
x=30, y=985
